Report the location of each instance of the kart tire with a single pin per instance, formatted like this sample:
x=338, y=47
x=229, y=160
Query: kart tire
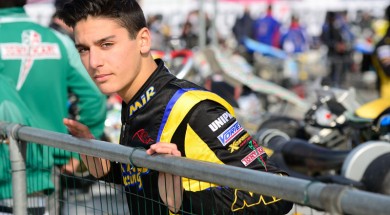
x=369, y=163
x=290, y=126
x=376, y=178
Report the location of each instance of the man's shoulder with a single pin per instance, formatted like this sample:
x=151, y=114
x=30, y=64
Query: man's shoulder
x=184, y=84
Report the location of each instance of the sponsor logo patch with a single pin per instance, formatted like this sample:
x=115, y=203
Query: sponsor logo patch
x=132, y=176
x=238, y=143
x=244, y=199
x=252, y=156
x=31, y=49
x=143, y=136
x=220, y=121
x=230, y=133
x=144, y=98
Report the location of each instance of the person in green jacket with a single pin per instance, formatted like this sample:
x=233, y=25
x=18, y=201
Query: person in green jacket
x=45, y=66
x=38, y=161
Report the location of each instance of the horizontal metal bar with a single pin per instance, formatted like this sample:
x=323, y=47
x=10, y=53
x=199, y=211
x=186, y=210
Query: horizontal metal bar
x=300, y=191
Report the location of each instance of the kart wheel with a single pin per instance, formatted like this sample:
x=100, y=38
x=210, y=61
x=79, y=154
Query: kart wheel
x=369, y=163
x=292, y=127
x=377, y=175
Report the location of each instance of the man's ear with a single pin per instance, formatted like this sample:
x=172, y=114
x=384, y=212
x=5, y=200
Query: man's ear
x=144, y=40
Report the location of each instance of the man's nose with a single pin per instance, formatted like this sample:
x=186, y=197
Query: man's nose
x=95, y=59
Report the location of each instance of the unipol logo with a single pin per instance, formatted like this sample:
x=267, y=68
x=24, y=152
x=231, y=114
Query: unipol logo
x=32, y=48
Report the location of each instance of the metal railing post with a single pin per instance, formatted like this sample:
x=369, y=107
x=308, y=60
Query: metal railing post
x=17, y=150
x=202, y=26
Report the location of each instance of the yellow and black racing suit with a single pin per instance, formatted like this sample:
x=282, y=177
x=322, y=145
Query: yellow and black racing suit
x=380, y=56
x=203, y=126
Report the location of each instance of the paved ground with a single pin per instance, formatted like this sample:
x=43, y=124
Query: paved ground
x=101, y=199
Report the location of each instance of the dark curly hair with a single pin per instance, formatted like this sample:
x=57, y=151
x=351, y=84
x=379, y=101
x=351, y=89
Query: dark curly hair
x=12, y=3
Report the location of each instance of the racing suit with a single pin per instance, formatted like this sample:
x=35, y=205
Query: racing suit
x=380, y=59
x=167, y=109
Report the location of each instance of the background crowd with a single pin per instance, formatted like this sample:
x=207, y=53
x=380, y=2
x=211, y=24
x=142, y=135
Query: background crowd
x=348, y=44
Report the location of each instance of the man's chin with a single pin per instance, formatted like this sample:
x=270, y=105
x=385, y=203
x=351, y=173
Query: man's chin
x=106, y=91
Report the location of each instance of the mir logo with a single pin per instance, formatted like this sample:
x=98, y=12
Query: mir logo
x=230, y=133
x=142, y=100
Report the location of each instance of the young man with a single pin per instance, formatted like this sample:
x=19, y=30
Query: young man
x=163, y=115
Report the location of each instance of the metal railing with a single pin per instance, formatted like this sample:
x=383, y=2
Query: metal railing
x=332, y=198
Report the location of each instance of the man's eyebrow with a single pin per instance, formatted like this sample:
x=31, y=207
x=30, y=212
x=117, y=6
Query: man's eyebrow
x=104, y=39
x=79, y=45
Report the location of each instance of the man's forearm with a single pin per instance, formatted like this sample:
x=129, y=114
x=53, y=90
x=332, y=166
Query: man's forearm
x=171, y=190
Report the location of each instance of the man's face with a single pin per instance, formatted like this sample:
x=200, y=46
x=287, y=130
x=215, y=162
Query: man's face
x=111, y=57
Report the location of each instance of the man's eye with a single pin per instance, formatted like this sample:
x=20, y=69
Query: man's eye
x=106, y=45
x=82, y=50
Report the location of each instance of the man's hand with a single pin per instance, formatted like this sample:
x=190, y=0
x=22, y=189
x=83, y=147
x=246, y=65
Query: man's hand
x=385, y=61
x=71, y=166
x=77, y=129
x=164, y=148
x=6, y=141
x=98, y=167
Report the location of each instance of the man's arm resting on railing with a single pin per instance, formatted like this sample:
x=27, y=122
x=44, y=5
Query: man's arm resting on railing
x=169, y=186
x=98, y=167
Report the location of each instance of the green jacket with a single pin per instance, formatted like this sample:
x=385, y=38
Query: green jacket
x=38, y=162
x=44, y=65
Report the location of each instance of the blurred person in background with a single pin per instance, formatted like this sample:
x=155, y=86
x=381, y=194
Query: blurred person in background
x=159, y=31
x=44, y=66
x=57, y=23
x=337, y=39
x=243, y=28
x=267, y=29
x=381, y=61
x=162, y=114
x=189, y=38
x=295, y=39
x=190, y=30
x=350, y=39
x=364, y=31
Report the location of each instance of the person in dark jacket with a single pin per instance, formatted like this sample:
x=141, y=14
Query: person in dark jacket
x=338, y=40
x=242, y=29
